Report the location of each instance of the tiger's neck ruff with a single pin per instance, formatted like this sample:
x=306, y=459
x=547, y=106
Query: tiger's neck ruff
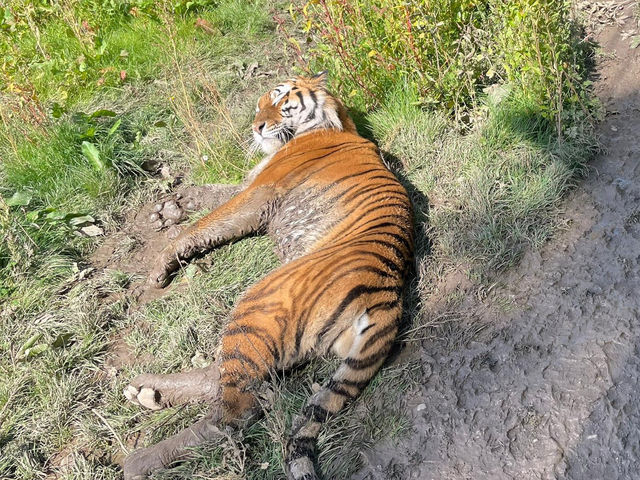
x=342, y=227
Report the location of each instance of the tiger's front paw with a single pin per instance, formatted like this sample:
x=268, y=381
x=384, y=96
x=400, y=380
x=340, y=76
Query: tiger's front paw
x=159, y=276
x=164, y=266
x=171, y=210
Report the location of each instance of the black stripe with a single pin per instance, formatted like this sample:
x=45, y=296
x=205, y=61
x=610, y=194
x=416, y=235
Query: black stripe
x=338, y=390
x=383, y=306
x=268, y=307
x=301, y=447
x=242, y=358
x=300, y=98
x=371, y=188
x=399, y=238
x=367, y=243
x=316, y=413
x=360, y=385
x=261, y=334
x=368, y=327
x=367, y=362
x=377, y=204
x=378, y=335
x=355, y=293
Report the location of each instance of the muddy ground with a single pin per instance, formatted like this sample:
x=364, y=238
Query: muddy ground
x=550, y=386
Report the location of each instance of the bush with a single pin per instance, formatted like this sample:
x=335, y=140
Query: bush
x=447, y=50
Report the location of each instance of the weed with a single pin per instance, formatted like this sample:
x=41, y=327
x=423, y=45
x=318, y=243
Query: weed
x=446, y=51
x=492, y=190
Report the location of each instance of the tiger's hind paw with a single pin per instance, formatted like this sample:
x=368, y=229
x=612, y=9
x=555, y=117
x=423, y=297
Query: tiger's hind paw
x=149, y=391
x=145, y=397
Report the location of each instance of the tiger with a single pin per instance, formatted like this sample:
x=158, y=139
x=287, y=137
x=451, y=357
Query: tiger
x=343, y=229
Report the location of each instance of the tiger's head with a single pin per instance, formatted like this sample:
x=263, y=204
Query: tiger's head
x=297, y=106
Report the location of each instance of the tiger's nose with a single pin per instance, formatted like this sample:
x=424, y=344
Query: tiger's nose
x=259, y=127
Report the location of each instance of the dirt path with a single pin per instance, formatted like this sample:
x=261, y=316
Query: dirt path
x=551, y=387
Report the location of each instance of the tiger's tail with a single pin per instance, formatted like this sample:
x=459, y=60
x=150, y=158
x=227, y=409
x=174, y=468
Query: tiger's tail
x=376, y=330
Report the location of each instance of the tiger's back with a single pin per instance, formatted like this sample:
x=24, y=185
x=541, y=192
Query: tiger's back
x=323, y=182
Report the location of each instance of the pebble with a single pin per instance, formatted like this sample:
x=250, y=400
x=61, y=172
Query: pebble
x=157, y=224
x=168, y=222
x=621, y=184
x=153, y=217
x=191, y=205
x=157, y=207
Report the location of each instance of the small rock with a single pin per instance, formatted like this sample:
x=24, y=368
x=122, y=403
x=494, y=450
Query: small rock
x=316, y=387
x=172, y=211
x=92, y=231
x=191, y=205
x=157, y=207
x=157, y=224
x=621, y=184
x=614, y=128
x=153, y=217
x=420, y=407
x=198, y=360
x=169, y=222
x=165, y=172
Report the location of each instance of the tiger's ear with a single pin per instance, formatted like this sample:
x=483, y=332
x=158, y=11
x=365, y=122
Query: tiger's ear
x=321, y=78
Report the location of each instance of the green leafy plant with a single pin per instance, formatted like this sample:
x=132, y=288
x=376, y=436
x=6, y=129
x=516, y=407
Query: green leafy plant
x=446, y=50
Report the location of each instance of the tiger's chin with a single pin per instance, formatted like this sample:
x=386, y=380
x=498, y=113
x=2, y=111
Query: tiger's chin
x=268, y=145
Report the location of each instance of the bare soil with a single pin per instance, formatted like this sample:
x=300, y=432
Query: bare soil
x=539, y=378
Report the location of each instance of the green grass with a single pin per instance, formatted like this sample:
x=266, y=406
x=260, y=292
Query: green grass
x=484, y=192
x=493, y=190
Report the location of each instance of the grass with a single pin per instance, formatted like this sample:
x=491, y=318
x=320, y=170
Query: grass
x=492, y=190
x=82, y=145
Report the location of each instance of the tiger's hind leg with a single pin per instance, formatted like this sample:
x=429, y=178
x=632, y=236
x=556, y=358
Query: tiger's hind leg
x=160, y=391
x=373, y=336
x=247, y=355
